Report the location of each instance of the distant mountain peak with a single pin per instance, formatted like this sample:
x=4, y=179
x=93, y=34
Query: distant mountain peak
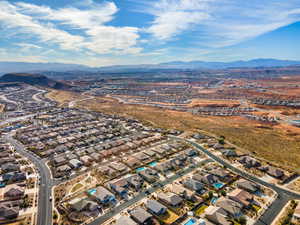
x=17, y=67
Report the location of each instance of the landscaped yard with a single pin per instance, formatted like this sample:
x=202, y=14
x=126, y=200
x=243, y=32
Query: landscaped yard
x=295, y=185
x=200, y=210
x=169, y=217
x=76, y=187
x=257, y=208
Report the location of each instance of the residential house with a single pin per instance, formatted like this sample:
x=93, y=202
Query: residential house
x=170, y=199
x=155, y=207
x=96, y=157
x=241, y=196
x=79, y=205
x=14, y=193
x=120, y=186
x=247, y=185
x=10, y=167
x=149, y=175
x=275, y=172
x=191, y=152
x=208, y=179
x=132, y=162
x=249, y=162
x=229, y=153
x=182, y=192
x=86, y=160
x=71, y=156
x=150, y=153
x=142, y=157
x=59, y=161
x=136, y=182
x=102, y=195
x=193, y=185
x=232, y=207
x=218, y=146
x=160, y=151
x=120, y=167
x=125, y=220
x=8, y=211
x=12, y=177
x=141, y=216
x=163, y=167
x=222, y=174
x=75, y=163
x=217, y=215
x=108, y=171
x=63, y=169
x=296, y=215
x=199, y=136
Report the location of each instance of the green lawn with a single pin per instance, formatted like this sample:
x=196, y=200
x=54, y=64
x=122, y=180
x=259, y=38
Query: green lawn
x=200, y=210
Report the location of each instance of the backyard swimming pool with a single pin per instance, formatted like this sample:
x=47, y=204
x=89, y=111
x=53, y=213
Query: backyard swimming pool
x=140, y=169
x=92, y=191
x=218, y=185
x=190, y=222
x=152, y=164
x=213, y=200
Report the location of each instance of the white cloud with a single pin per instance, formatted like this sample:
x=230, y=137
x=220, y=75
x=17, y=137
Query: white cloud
x=173, y=17
x=27, y=46
x=11, y=18
x=88, y=23
x=13, y=56
x=218, y=23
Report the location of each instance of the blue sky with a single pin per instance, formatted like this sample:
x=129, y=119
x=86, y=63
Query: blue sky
x=98, y=32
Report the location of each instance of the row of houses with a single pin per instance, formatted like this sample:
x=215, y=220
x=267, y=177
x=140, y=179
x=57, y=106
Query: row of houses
x=10, y=169
x=12, y=184
x=246, y=160
x=276, y=102
x=176, y=195
x=127, y=184
x=222, y=111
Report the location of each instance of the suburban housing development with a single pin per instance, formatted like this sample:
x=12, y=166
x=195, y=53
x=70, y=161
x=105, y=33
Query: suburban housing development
x=64, y=163
x=149, y=112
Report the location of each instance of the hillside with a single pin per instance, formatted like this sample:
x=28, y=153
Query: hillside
x=33, y=79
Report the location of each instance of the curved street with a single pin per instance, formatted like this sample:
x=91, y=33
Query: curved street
x=46, y=184
x=44, y=216
x=283, y=195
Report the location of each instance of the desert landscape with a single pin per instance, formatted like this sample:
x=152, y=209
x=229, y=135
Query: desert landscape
x=267, y=141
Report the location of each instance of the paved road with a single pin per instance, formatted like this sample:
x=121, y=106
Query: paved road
x=15, y=119
x=141, y=195
x=44, y=205
x=283, y=195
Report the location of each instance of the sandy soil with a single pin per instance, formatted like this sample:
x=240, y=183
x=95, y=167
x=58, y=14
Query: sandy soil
x=279, y=144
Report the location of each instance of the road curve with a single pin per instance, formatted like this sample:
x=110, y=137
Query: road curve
x=44, y=215
x=283, y=195
x=141, y=195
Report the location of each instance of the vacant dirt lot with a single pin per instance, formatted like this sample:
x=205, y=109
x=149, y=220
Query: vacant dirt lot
x=207, y=103
x=280, y=144
x=63, y=97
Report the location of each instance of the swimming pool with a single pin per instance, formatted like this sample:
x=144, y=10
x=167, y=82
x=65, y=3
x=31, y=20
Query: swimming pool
x=190, y=222
x=218, y=185
x=92, y=191
x=152, y=164
x=213, y=200
x=140, y=169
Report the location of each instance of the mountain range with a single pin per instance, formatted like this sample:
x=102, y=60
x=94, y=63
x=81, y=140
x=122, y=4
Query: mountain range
x=17, y=67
